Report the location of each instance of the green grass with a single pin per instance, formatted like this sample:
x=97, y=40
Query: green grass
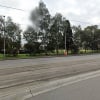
x=61, y=52
x=88, y=51
x=1, y=56
x=23, y=56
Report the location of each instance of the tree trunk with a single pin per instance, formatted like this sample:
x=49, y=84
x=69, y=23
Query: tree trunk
x=57, y=52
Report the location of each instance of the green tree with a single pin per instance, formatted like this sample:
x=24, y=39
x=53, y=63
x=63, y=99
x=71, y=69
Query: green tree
x=68, y=35
x=13, y=37
x=77, y=36
x=56, y=31
x=32, y=45
x=1, y=33
x=41, y=20
x=89, y=37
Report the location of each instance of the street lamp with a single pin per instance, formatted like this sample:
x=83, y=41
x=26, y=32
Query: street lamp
x=4, y=37
x=65, y=42
x=65, y=31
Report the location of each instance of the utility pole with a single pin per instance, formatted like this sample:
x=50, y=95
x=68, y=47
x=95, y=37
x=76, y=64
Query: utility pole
x=65, y=23
x=65, y=42
x=4, y=37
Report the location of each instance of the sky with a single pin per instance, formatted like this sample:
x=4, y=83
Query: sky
x=79, y=12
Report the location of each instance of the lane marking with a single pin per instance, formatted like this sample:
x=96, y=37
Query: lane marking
x=50, y=86
x=78, y=79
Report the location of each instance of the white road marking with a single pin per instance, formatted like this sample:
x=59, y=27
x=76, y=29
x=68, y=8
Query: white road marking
x=77, y=79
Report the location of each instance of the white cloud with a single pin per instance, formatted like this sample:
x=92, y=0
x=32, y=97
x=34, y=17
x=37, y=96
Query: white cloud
x=85, y=11
x=95, y=20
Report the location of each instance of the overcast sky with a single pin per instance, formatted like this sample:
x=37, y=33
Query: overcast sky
x=74, y=10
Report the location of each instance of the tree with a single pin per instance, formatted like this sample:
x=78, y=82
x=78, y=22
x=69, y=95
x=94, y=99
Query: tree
x=41, y=20
x=97, y=39
x=56, y=31
x=77, y=37
x=68, y=35
x=13, y=37
x=1, y=33
x=32, y=45
x=51, y=30
x=89, y=36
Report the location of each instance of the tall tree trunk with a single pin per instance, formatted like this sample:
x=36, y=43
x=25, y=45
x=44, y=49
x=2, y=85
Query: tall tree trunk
x=85, y=50
x=57, y=52
x=67, y=50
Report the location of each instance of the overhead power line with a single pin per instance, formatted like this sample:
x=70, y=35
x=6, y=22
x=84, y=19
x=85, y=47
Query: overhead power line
x=12, y=8
x=79, y=21
x=27, y=11
x=83, y=22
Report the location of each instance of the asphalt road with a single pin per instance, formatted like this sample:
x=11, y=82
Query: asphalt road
x=19, y=75
x=38, y=61
x=19, y=72
x=81, y=89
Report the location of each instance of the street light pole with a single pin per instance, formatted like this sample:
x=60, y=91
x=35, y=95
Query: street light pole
x=4, y=37
x=65, y=41
x=65, y=33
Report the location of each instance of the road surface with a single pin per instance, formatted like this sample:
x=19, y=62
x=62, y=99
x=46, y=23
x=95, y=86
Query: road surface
x=81, y=89
x=17, y=75
x=17, y=72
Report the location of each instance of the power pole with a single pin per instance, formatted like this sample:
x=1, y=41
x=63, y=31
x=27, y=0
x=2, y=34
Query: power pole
x=65, y=33
x=4, y=37
x=65, y=42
